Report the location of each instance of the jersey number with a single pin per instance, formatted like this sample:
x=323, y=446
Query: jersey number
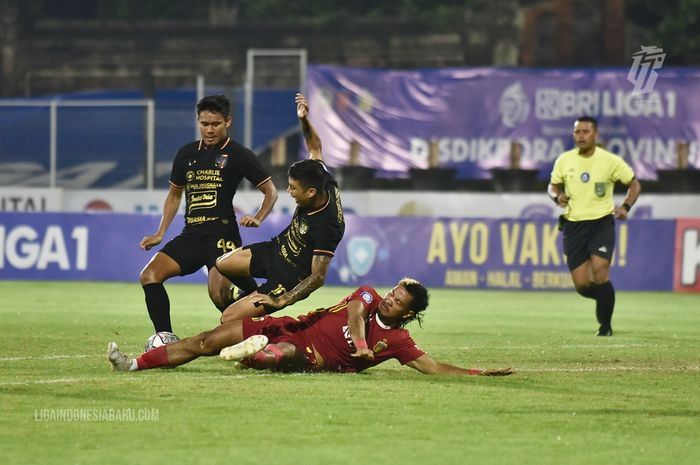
x=225, y=246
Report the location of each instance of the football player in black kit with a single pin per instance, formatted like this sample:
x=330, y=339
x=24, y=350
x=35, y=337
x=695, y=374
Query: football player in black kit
x=208, y=172
x=296, y=261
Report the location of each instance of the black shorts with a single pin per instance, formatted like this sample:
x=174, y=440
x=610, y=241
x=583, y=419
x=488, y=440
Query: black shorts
x=585, y=238
x=267, y=263
x=200, y=245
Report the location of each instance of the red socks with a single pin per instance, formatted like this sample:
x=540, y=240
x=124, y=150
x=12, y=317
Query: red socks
x=157, y=357
x=261, y=358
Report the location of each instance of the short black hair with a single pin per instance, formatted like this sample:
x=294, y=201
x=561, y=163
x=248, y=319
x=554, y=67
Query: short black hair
x=588, y=119
x=419, y=302
x=215, y=104
x=311, y=173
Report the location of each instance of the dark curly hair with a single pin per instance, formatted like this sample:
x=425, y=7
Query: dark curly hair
x=419, y=301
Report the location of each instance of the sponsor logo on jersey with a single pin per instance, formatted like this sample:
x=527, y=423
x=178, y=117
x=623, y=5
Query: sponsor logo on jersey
x=189, y=176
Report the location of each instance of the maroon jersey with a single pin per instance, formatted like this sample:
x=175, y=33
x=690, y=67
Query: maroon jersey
x=326, y=330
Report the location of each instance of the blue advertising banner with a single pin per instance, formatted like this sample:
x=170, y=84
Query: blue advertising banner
x=475, y=114
x=456, y=253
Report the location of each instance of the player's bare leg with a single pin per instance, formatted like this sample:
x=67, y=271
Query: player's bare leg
x=185, y=350
x=242, y=308
x=219, y=287
x=235, y=267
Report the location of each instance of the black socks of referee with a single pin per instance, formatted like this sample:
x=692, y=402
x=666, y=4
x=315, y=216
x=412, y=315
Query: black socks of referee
x=604, y=303
x=604, y=296
x=158, y=306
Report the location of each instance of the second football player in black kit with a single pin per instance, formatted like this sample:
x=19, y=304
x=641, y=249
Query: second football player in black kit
x=296, y=261
x=207, y=172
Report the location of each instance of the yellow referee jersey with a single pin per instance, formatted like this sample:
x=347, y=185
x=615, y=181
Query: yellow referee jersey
x=589, y=182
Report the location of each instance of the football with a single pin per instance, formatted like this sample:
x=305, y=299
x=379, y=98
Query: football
x=159, y=339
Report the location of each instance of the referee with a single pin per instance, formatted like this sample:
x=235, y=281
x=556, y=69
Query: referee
x=582, y=183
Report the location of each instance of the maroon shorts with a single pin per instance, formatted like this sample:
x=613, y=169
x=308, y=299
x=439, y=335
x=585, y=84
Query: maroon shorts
x=282, y=329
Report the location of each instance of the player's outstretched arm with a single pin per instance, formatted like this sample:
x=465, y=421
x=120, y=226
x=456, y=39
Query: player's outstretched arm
x=313, y=141
x=428, y=366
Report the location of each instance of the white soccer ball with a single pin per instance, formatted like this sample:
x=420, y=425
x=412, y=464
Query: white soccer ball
x=159, y=339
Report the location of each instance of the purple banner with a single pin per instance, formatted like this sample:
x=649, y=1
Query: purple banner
x=494, y=254
x=457, y=253
x=475, y=113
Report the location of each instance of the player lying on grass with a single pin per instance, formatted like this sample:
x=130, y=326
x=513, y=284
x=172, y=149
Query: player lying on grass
x=361, y=331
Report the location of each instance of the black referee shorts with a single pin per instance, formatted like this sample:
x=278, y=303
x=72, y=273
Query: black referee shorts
x=590, y=237
x=200, y=245
x=280, y=275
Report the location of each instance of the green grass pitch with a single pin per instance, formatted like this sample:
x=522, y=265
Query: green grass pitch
x=575, y=399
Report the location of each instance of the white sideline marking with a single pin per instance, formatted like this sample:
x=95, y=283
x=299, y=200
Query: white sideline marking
x=117, y=376
x=46, y=357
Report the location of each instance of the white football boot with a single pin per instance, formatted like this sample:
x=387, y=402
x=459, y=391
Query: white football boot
x=244, y=349
x=119, y=360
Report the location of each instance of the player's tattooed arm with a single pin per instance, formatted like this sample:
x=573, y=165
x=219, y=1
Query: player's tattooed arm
x=319, y=270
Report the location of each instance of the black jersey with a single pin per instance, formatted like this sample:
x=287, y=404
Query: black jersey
x=211, y=176
x=312, y=232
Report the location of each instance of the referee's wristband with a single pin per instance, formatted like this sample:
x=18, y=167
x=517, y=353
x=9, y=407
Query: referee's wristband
x=627, y=206
x=555, y=199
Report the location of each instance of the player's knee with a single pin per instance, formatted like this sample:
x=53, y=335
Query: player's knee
x=207, y=345
x=148, y=276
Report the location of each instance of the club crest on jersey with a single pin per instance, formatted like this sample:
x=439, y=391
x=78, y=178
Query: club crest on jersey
x=362, y=251
x=221, y=161
x=367, y=297
x=585, y=177
x=379, y=346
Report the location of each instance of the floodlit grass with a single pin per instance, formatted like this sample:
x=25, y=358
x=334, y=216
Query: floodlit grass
x=576, y=399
